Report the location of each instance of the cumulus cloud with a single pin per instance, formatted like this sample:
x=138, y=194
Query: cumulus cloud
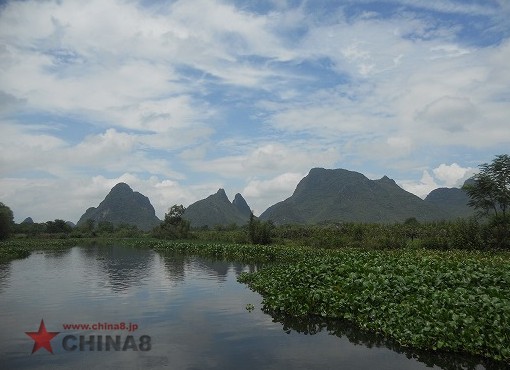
x=261, y=194
x=442, y=176
x=453, y=175
x=422, y=187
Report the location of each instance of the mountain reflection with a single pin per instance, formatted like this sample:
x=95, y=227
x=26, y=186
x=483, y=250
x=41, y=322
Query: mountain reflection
x=341, y=328
x=122, y=266
x=5, y=270
x=177, y=266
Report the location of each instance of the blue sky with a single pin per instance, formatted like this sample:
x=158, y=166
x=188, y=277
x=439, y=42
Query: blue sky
x=180, y=98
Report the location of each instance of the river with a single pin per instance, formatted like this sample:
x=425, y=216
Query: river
x=188, y=312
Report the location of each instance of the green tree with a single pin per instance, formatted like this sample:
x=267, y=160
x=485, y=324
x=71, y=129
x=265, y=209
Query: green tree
x=6, y=221
x=31, y=229
x=125, y=230
x=259, y=232
x=89, y=225
x=489, y=194
x=174, y=226
x=411, y=226
x=175, y=214
x=104, y=227
x=57, y=226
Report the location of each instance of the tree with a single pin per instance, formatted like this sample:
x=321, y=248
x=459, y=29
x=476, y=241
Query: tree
x=57, y=226
x=125, y=230
x=6, y=221
x=174, y=226
x=105, y=227
x=489, y=194
x=411, y=226
x=175, y=214
x=259, y=232
x=89, y=225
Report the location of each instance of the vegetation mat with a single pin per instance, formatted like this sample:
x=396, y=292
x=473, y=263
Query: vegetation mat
x=455, y=301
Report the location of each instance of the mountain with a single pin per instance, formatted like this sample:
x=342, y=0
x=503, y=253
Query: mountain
x=123, y=206
x=338, y=195
x=28, y=221
x=452, y=201
x=240, y=203
x=217, y=209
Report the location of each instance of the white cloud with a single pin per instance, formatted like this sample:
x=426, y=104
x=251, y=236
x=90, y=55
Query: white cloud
x=260, y=194
x=453, y=175
x=421, y=88
x=421, y=188
x=443, y=176
x=116, y=63
x=268, y=159
x=24, y=150
x=449, y=114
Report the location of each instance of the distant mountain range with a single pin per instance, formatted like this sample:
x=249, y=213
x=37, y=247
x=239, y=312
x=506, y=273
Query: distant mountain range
x=217, y=209
x=324, y=195
x=340, y=195
x=123, y=206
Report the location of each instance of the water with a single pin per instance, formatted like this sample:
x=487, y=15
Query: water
x=192, y=312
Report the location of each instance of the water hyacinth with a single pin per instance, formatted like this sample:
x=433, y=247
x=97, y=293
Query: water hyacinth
x=457, y=301
x=441, y=301
x=15, y=249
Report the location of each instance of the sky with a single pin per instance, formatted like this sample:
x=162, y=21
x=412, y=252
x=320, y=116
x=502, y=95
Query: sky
x=181, y=98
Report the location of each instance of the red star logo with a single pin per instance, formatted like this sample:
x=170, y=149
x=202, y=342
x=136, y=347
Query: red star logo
x=42, y=338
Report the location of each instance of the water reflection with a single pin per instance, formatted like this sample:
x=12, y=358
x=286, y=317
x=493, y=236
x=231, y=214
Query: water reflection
x=217, y=269
x=5, y=269
x=356, y=336
x=177, y=265
x=122, y=266
x=194, y=310
x=52, y=254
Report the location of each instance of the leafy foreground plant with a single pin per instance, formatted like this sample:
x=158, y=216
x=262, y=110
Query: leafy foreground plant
x=455, y=301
